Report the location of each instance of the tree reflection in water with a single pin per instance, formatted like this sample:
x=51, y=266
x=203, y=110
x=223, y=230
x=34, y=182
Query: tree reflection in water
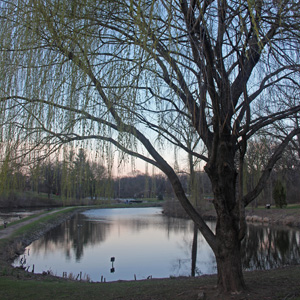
x=270, y=247
x=74, y=235
x=145, y=242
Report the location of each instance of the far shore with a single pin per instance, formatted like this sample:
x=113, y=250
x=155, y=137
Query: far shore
x=288, y=216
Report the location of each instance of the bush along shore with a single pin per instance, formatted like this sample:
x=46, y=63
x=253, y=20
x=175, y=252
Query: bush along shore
x=275, y=216
x=260, y=216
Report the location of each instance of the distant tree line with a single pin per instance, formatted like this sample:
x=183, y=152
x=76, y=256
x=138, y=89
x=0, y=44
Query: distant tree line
x=156, y=186
x=75, y=178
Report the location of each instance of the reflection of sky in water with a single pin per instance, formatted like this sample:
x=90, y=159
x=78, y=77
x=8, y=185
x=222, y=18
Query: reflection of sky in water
x=142, y=240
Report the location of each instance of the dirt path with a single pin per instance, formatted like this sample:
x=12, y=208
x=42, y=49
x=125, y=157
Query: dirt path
x=10, y=229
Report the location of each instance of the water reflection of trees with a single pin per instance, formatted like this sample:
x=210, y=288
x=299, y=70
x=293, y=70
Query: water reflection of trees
x=190, y=262
x=80, y=231
x=73, y=235
x=268, y=247
x=263, y=247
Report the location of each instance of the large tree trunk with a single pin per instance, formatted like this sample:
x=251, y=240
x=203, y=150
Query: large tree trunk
x=228, y=256
x=226, y=242
x=223, y=175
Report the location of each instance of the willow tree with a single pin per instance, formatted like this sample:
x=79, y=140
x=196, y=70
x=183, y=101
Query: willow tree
x=113, y=71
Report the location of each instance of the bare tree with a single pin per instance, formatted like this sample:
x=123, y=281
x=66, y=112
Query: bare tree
x=113, y=71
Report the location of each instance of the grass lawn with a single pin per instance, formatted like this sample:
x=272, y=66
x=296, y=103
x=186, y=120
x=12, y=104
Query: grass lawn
x=261, y=285
x=13, y=288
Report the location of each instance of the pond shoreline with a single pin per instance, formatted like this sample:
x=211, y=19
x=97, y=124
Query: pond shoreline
x=12, y=243
x=269, y=217
x=257, y=288
x=15, y=243
x=16, y=246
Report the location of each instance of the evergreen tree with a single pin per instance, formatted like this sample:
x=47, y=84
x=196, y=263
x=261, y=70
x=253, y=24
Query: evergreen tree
x=279, y=194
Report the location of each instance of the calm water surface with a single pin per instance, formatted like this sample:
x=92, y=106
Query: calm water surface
x=144, y=243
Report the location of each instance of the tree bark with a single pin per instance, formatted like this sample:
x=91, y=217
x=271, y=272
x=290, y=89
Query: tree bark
x=228, y=256
x=194, y=250
x=222, y=172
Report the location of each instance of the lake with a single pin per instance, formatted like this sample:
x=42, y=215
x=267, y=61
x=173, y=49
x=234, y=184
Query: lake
x=139, y=243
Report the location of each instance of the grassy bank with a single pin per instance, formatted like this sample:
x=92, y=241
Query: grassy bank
x=21, y=233
x=279, y=284
x=11, y=288
x=46, y=216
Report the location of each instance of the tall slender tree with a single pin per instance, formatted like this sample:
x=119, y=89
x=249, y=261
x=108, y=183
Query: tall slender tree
x=113, y=71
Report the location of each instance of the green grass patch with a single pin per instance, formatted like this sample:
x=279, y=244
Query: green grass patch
x=11, y=288
x=22, y=220
x=293, y=206
x=289, y=206
x=262, y=285
x=35, y=224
